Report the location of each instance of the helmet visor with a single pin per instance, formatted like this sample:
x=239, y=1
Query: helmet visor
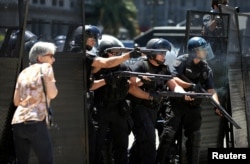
x=204, y=52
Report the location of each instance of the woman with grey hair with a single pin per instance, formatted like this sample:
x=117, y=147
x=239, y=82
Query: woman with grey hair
x=30, y=118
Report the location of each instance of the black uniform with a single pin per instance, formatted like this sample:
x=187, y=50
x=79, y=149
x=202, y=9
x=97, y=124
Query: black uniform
x=110, y=101
x=187, y=114
x=144, y=115
x=91, y=129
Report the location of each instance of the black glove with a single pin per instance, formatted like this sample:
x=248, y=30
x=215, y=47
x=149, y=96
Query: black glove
x=135, y=53
x=195, y=87
x=154, y=96
x=192, y=87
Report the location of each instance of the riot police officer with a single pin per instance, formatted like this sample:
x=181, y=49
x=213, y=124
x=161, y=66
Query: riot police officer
x=11, y=43
x=92, y=34
x=59, y=42
x=144, y=112
x=112, y=108
x=191, y=67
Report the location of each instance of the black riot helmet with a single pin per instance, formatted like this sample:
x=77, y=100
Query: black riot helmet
x=158, y=43
x=59, y=42
x=198, y=47
x=108, y=41
x=90, y=32
x=29, y=39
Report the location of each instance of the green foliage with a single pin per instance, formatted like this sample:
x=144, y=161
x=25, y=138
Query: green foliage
x=114, y=14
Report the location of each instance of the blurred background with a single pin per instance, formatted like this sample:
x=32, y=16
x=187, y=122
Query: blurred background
x=124, y=19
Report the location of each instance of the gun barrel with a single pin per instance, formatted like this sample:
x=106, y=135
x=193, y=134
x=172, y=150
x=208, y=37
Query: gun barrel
x=118, y=49
x=138, y=74
x=225, y=114
x=143, y=50
x=223, y=111
x=191, y=94
x=203, y=95
x=153, y=51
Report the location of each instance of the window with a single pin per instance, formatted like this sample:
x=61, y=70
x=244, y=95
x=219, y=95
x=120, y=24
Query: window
x=72, y=4
x=42, y=2
x=61, y=3
x=54, y=2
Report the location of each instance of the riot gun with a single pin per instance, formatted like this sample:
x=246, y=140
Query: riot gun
x=150, y=76
x=202, y=95
x=142, y=50
x=182, y=95
x=222, y=110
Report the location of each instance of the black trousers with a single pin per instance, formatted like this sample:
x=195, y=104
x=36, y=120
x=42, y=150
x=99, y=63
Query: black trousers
x=32, y=135
x=110, y=120
x=143, y=150
x=188, y=117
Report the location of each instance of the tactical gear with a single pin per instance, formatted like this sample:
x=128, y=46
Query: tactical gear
x=90, y=32
x=135, y=53
x=59, y=42
x=158, y=43
x=154, y=96
x=109, y=79
x=29, y=39
x=116, y=88
x=107, y=43
x=199, y=48
x=125, y=108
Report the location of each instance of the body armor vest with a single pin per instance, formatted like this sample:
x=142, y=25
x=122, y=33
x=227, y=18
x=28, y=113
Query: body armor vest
x=195, y=73
x=116, y=91
x=156, y=84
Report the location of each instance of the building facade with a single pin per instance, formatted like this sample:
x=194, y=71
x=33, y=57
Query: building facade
x=151, y=13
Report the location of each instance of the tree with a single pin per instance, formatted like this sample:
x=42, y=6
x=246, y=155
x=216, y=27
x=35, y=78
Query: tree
x=114, y=14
